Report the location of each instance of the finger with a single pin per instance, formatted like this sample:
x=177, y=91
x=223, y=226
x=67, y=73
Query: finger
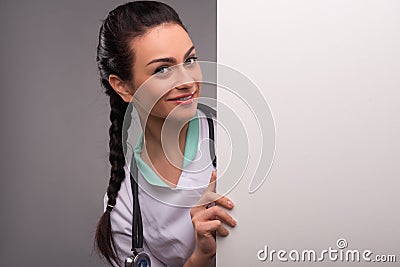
x=211, y=196
x=211, y=185
x=213, y=213
x=211, y=227
x=222, y=231
x=207, y=227
x=208, y=196
x=224, y=202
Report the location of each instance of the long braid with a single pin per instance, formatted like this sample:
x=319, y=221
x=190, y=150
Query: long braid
x=117, y=160
x=116, y=157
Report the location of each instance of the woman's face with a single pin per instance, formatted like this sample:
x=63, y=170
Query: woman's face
x=165, y=68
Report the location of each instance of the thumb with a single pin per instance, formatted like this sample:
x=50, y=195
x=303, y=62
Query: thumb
x=211, y=186
x=209, y=194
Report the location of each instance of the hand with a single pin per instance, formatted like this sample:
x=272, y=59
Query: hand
x=207, y=222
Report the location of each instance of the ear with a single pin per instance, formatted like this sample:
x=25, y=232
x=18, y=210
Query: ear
x=121, y=87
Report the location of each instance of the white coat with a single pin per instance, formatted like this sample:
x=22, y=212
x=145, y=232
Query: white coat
x=168, y=233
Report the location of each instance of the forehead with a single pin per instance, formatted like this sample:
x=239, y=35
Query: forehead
x=167, y=40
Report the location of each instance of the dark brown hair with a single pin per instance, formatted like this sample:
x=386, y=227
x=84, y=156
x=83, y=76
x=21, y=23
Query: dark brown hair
x=114, y=56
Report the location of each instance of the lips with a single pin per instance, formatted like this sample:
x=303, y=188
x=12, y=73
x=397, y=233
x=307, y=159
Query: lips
x=182, y=97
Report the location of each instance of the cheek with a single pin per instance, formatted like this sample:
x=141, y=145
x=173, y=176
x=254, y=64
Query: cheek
x=151, y=99
x=198, y=84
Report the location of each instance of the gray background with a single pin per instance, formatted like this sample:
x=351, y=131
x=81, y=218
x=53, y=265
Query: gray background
x=330, y=72
x=54, y=117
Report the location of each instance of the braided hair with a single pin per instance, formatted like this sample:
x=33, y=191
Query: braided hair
x=114, y=56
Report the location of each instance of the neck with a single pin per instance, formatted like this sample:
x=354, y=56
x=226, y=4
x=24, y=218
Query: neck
x=164, y=139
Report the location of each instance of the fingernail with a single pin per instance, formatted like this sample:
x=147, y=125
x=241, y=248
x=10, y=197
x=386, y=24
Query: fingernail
x=230, y=203
x=234, y=222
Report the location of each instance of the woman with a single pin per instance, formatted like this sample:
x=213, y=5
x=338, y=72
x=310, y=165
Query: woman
x=132, y=39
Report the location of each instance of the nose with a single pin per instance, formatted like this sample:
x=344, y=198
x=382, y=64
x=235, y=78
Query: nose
x=184, y=79
x=186, y=85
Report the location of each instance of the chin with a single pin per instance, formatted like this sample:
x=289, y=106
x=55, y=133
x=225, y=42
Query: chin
x=182, y=112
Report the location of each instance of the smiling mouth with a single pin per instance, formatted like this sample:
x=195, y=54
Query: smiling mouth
x=184, y=99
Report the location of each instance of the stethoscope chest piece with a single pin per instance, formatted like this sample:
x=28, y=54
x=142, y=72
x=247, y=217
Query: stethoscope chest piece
x=138, y=259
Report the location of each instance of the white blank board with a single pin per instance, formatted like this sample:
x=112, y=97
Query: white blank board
x=330, y=71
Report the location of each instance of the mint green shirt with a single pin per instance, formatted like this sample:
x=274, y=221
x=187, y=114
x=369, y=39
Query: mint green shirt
x=192, y=138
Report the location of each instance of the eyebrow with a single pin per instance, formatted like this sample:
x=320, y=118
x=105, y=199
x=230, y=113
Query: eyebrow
x=170, y=59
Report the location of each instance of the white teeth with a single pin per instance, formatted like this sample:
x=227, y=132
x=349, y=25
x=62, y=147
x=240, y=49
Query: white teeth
x=185, y=98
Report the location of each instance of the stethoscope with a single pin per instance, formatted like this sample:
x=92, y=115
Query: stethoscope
x=139, y=257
